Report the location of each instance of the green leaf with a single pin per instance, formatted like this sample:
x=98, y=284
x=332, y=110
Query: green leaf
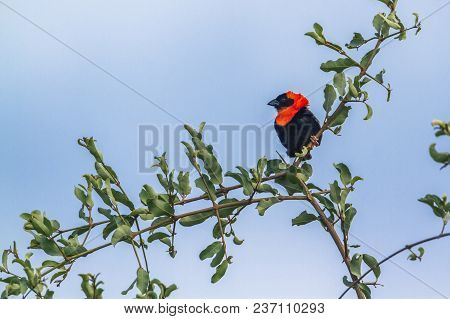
x=227, y=211
x=79, y=193
x=218, y=258
x=373, y=264
x=242, y=178
x=349, y=215
x=355, y=265
x=355, y=179
x=102, y=172
x=142, y=280
x=290, y=181
x=157, y=236
x=303, y=219
x=352, y=88
x=369, y=112
x=211, y=165
x=208, y=188
x=366, y=290
x=356, y=42
x=346, y=282
x=443, y=157
x=159, y=207
x=264, y=204
x=436, y=204
x=341, y=116
x=237, y=241
x=211, y=250
x=5, y=259
x=330, y=97
x=262, y=163
x=392, y=21
x=183, y=186
x=326, y=203
x=196, y=219
x=40, y=226
x=340, y=83
x=421, y=251
x=319, y=40
x=121, y=232
x=318, y=29
x=335, y=192
x=368, y=57
x=48, y=246
x=89, y=144
x=266, y=188
x=87, y=288
x=220, y=272
x=122, y=198
x=337, y=66
x=147, y=193
x=344, y=172
x=379, y=76
x=274, y=167
x=387, y=2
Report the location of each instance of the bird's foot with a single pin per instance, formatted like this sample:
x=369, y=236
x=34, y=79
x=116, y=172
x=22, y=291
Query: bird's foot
x=314, y=141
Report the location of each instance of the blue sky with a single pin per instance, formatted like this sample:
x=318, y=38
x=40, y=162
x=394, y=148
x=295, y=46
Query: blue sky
x=220, y=62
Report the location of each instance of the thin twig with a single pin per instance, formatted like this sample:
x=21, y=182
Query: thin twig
x=407, y=247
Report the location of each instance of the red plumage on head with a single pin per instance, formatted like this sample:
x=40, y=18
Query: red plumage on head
x=286, y=114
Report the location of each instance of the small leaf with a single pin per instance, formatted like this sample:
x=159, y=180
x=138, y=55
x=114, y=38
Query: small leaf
x=142, y=280
x=341, y=116
x=237, y=241
x=330, y=97
x=219, y=257
x=196, y=219
x=368, y=57
x=443, y=157
x=159, y=207
x=303, y=219
x=340, y=83
x=183, y=186
x=265, y=204
x=337, y=66
x=373, y=264
x=220, y=272
x=349, y=215
x=211, y=250
x=120, y=233
x=344, y=173
x=157, y=236
x=335, y=192
x=355, y=265
x=369, y=112
x=356, y=42
x=208, y=188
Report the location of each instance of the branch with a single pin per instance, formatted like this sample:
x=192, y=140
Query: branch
x=330, y=229
x=407, y=247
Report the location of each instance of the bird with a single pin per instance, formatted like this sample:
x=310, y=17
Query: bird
x=295, y=124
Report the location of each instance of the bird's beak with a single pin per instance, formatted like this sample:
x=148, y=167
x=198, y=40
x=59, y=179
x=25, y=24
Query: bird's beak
x=274, y=103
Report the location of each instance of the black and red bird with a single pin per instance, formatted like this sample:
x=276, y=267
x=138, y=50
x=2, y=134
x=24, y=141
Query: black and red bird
x=295, y=124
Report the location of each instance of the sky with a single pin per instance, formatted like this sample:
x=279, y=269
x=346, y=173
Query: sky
x=221, y=62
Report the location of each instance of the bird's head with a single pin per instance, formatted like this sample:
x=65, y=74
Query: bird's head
x=289, y=99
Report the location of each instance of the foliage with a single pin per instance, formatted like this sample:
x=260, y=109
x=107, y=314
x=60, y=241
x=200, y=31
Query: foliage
x=105, y=204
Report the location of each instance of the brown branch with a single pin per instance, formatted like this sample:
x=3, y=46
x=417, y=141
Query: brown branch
x=334, y=235
x=407, y=247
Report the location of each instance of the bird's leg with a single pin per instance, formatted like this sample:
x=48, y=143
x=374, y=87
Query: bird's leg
x=314, y=141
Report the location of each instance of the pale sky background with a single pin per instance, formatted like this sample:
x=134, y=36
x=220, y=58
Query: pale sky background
x=221, y=62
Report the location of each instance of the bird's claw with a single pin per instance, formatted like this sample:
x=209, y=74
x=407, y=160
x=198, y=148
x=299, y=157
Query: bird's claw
x=314, y=141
